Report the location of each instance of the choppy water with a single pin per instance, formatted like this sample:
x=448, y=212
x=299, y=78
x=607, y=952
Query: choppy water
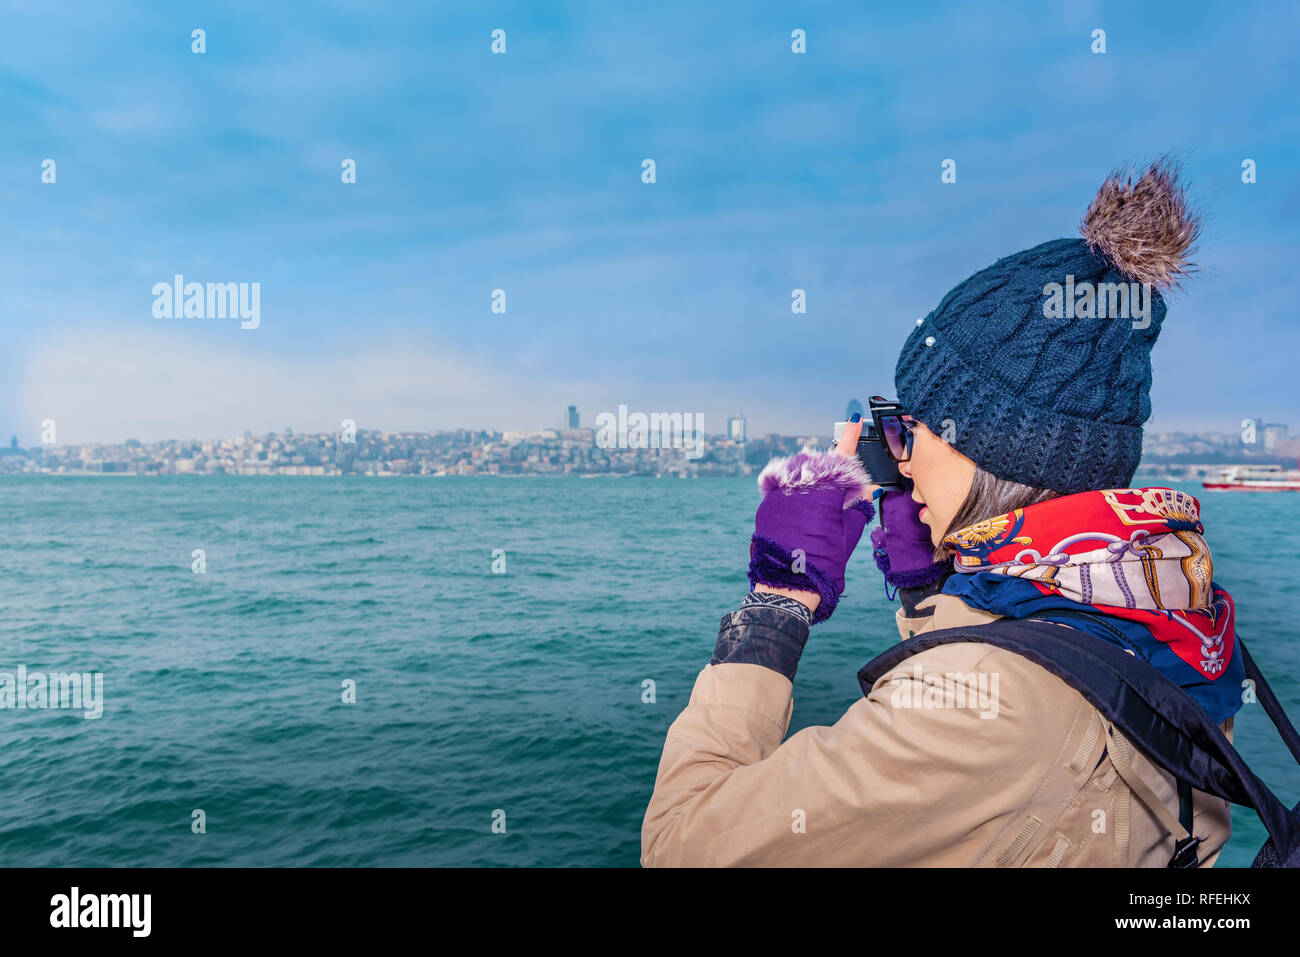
x=475, y=691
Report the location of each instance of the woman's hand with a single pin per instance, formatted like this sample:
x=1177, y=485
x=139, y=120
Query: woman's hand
x=814, y=510
x=902, y=544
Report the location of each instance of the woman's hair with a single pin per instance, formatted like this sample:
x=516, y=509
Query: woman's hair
x=990, y=496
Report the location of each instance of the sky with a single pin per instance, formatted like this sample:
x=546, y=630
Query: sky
x=522, y=172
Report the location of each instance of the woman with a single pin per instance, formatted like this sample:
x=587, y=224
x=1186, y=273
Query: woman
x=1036, y=373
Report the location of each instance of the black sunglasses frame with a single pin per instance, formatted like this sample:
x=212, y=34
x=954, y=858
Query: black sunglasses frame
x=881, y=409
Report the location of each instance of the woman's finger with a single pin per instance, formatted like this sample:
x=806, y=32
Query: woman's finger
x=848, y=444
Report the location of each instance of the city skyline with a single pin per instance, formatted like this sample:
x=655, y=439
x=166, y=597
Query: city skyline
x=571, y=419
x=582, y=450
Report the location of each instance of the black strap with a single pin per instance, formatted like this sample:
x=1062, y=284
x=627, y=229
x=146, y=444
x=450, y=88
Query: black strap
x=1272, y=707
x=1185, y=854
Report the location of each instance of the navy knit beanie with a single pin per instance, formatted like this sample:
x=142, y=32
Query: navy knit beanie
x=1039, y=371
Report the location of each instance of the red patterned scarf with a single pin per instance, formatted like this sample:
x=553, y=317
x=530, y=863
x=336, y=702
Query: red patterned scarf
x=1136, y=557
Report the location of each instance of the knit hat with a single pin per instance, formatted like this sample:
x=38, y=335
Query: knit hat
x=1038, y=368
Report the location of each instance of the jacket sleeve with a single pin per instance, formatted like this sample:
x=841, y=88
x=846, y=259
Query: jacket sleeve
x=889, y=784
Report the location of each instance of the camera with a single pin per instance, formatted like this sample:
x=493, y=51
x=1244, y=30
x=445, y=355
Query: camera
x=875, y=457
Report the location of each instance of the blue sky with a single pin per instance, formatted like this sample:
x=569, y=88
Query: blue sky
x=522, y=171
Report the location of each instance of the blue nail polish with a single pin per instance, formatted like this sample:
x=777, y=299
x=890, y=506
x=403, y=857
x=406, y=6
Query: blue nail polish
x=856, y=417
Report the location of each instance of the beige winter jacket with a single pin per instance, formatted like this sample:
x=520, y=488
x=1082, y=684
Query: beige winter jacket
x=1043, y=781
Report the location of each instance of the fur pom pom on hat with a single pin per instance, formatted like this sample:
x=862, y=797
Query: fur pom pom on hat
x=1039, y=366
x=1144, y=228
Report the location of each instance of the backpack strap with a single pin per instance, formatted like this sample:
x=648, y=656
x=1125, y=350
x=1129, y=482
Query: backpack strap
x=1185, y=853
x=1272, y=707
x=1151, y=711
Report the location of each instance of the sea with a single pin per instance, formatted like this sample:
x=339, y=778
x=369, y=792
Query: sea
x=420, y=671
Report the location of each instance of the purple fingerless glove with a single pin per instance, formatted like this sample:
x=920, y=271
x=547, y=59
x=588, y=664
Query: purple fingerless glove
x=901, y=543
x=810, y=520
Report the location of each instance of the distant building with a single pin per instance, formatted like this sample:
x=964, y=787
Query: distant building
x=736, y=428
x=571, y=420
x=529, y=435
x=854, y=406
x=1274, y=436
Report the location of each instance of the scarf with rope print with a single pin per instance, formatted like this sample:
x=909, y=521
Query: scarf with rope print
x=1133, y=561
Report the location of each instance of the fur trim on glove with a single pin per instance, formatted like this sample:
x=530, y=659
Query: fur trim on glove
x=811, y=471
x=771, y=564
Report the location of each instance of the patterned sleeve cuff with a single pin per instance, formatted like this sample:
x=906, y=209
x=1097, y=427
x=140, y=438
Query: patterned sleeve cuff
x=764, y=631
x=792, y=605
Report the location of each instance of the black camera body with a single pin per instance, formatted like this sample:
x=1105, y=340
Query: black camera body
x=875, y=458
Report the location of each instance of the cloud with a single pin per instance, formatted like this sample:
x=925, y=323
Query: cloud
x=109, y=386
x=136, y=383
x=132, y=120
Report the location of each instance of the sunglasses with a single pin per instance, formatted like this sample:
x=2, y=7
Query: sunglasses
x=893, y=426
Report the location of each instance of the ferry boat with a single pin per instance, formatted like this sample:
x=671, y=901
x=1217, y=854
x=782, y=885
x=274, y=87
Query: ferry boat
x=1256, y=478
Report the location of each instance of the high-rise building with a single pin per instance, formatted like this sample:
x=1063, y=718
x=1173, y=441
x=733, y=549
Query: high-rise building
x=1274, y=434
x=736, y=428
x=854, y=405
x=571, y=420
